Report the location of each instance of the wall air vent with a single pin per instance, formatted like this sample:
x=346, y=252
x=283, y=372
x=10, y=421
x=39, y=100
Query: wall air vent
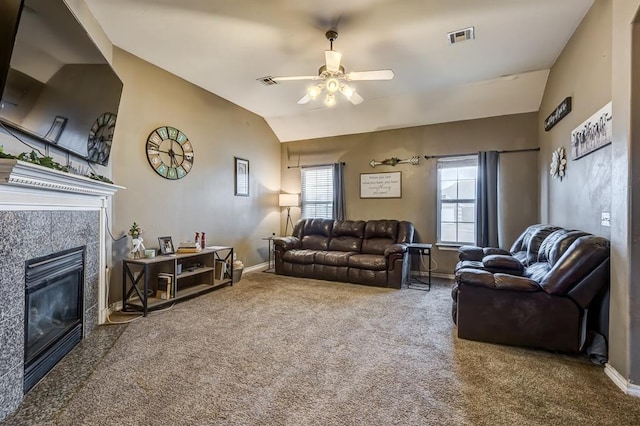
x=461, y=35
x=267, y=81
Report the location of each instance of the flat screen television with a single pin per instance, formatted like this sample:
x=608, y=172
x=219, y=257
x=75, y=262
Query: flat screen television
x=59, y=88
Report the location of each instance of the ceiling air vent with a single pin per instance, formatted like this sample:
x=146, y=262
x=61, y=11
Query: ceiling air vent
x=267, y=81
x=461, y=35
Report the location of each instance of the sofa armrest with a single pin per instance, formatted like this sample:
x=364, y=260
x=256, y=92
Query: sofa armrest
x=488, y=251
x=470, y=253
x=395, y=249
x=512, y=282
x=503, y=263
x=476, y=277
x=496, y=281
x=286, y=243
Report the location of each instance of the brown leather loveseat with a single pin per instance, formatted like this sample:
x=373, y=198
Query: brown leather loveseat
x=557, y=302
x=372, y=252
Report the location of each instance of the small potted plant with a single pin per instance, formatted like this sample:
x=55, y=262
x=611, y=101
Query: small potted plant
x=136, y=240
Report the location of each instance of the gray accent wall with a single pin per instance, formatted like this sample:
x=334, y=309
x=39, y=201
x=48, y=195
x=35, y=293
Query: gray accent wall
x=23, y=236
x=518, y=187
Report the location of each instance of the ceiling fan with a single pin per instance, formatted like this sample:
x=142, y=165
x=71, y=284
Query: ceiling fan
x=333, y=78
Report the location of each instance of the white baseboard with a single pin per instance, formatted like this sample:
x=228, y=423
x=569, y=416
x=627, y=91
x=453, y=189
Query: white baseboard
x=621, y=382
x=256, y=268
x=434, y=275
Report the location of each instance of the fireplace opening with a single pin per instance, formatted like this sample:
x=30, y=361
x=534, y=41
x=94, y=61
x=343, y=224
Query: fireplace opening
x=53, y=311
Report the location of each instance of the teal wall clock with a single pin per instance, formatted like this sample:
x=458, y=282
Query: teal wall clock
x=170, y=153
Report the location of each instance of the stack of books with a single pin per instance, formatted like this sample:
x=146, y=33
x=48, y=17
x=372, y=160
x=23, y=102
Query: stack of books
x=189, y=247
x=166, y=289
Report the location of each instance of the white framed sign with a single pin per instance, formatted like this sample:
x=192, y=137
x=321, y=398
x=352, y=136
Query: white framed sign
x=381, y=185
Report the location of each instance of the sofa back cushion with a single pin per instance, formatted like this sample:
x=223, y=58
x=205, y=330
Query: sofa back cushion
x=579, y=260
x=527, y=246
x=378, y=235
x=347, y=235
x=316, y=234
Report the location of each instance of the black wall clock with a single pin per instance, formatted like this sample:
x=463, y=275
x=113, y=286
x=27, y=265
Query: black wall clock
x=169, y=152
x=101, y=138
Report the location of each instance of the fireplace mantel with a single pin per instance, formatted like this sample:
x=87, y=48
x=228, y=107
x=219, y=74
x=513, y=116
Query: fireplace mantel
x=17, y=173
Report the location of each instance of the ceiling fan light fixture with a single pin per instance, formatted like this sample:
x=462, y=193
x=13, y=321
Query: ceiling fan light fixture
x=333, y=85
x=314, y=91
x=330, y=100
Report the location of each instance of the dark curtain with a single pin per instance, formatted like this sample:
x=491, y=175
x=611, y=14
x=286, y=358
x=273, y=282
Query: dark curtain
x=338, y=192
x=487, y=199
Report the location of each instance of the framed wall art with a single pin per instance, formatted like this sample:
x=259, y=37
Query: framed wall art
x=381, y=185
x=241, y=177
x=594, y=133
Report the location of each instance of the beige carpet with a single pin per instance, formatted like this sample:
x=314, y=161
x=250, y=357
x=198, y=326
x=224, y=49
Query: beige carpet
x=277, y=350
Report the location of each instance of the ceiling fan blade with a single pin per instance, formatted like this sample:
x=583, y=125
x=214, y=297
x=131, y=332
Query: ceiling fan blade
x=370, y=75
x=356, y=99
x=295, y=77
x=332, y=60
x=305, y=99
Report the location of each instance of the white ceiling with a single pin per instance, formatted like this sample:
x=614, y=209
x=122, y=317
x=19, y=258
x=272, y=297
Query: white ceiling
x=223, y=46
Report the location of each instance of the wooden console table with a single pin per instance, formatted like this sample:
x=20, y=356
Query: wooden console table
x=190, y=275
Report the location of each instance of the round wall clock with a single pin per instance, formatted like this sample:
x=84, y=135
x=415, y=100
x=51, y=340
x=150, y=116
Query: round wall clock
x=100, y=138
x=169, y=152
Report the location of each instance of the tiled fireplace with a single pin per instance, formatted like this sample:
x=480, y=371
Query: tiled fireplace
x=43, y=212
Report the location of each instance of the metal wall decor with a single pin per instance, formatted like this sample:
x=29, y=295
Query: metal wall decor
x=558, y=114
x=414, y=161
x=558, y=163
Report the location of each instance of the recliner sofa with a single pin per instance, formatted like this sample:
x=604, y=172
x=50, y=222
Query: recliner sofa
x=559, y=302
x=371, y=253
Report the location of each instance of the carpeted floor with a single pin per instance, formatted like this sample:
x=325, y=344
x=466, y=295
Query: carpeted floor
x=275, y=350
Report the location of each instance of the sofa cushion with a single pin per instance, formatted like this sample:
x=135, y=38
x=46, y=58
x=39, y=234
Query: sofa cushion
x=368, y=261
x=333, y=258
x=316, y=234
x=378, y=234
x=503, y=263
x=347, y=235
x=315, y=242
x=305, y=257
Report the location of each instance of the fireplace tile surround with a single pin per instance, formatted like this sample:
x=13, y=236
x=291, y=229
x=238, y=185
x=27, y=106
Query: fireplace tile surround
x=42, y=212
x=25, y=235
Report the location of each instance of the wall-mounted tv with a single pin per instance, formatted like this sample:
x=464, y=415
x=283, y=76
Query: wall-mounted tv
x=59, y=87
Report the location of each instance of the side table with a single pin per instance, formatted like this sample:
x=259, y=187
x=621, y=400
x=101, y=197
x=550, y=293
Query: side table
x=415, y=279
x=270, y=262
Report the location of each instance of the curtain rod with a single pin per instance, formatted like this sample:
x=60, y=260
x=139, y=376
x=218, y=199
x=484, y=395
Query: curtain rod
x=316, y=165
x=474, y=153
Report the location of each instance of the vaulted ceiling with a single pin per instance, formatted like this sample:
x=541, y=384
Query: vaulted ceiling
x=224, y=46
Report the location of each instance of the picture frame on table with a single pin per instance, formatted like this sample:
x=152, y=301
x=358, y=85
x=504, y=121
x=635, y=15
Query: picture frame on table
x=241, y=177
x=166, y=245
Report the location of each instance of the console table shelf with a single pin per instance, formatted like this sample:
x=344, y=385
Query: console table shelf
x=200, y=273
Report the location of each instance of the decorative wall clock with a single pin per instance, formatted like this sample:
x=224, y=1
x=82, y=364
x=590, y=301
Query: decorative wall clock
x=169, y=152
x=101, y=138
x=558, y=163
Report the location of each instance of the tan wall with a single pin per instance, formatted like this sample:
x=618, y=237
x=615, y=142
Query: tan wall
x=203, y=200
x=519, y=175
x=582, y=71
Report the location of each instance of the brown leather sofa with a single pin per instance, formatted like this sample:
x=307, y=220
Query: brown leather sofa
x=559, y=302
x=372, y=252
x=523, y=252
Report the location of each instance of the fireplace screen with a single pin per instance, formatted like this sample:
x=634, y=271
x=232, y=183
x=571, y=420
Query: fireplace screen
x=53, y=310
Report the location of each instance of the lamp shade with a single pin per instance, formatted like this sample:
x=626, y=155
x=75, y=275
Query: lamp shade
x=288, y=200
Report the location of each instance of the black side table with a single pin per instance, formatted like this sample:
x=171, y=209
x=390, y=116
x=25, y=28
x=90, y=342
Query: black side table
x=270, y=263
x=415, y=279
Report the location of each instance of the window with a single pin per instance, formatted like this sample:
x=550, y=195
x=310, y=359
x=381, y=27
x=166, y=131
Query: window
x=457, y=200
x=317, y=192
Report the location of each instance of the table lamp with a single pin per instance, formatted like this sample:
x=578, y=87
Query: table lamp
x=288, y=201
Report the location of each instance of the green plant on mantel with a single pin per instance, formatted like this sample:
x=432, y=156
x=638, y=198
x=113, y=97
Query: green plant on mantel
x=47, y=161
